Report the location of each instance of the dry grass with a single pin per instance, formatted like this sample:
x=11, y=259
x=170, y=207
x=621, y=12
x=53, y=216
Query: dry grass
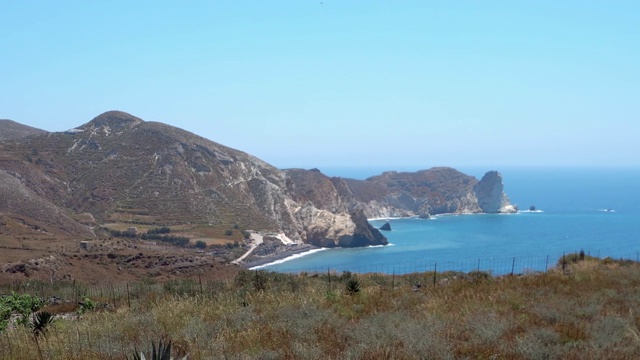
x=589, y=312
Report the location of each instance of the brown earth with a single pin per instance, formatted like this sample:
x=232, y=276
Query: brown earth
x=105, y=261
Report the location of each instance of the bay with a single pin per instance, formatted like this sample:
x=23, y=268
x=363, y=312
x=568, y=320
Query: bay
x=594, y=210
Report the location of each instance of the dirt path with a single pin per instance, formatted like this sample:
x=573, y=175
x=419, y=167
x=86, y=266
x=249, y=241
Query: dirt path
x=256, y=239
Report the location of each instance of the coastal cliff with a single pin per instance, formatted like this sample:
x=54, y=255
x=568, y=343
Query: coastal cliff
x=424, y=193
x=119, y=169
x=490, y=194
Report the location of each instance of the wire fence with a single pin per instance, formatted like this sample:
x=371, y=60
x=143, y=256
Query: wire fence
x=495, y=266
x=112, y=294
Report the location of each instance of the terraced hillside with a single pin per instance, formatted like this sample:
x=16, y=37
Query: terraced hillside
x=118, y=170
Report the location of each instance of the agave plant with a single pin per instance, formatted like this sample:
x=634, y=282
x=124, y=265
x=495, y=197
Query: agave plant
x=41, y=322
x=162, y=352
x=353, y=286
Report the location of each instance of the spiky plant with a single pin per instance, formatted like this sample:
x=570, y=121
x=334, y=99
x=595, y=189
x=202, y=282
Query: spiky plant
x=41, y=322
x=39, y=326
x=353, y=286
x=162, y=352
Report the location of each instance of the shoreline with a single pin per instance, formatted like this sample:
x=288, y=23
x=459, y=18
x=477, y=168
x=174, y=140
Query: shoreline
x=281, y=255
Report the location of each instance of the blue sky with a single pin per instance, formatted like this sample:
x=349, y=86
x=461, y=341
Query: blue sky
x=409, y=84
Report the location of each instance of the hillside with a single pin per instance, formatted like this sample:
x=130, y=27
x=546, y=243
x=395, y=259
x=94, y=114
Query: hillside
x=23, y=211
x=588, y=310
x=118, y=170
x=10, y=130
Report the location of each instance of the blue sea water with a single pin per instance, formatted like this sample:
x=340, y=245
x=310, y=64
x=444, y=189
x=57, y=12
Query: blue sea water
x=573, y=216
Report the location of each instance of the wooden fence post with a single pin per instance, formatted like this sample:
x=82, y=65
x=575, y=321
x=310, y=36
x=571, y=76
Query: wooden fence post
x=128, y=297
x=435, y=271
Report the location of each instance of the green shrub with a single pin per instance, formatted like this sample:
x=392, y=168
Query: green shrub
x=86, y=305
x=160, y=230
x=23, y=305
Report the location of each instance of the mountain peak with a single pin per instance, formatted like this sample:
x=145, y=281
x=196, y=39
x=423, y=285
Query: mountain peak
x=114, y=121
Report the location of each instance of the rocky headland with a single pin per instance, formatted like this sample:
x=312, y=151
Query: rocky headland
x=119, y=169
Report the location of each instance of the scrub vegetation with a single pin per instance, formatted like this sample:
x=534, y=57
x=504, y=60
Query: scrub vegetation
x=583, y=309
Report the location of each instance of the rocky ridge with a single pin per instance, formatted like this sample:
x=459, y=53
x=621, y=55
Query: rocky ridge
x=10, y=130
x=118, y=168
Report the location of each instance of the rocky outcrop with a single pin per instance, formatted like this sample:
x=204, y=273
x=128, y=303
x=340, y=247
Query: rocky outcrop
x=118, y=168
x=422, y=193
x=491, y=196
x=386, y=227
x=364, y=234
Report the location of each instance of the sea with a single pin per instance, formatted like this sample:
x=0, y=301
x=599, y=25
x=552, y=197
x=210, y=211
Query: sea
x=593, y=210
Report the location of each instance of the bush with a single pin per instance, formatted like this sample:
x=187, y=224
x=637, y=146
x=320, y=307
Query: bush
x=346, y=275
x=22, y=305
x=228, y=232
x=160, y=230
x=201, y=244
x=175, y=240
x=86, y=305
x=478, y=275
x=118, y=233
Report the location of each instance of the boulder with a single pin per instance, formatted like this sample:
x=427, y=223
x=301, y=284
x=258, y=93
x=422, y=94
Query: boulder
x=386, y=227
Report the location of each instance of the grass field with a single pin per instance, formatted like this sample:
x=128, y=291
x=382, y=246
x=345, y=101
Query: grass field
x=588, y=311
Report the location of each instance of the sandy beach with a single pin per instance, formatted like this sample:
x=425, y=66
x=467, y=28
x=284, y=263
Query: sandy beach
x=287, y=251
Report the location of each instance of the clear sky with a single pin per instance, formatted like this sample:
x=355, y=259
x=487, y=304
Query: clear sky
x=396, y=84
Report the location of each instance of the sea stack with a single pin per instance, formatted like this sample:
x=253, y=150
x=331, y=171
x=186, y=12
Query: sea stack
x=386, y=227
x=491, y=196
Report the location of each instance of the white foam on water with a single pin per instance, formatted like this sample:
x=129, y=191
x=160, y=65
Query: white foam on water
x=288, y=258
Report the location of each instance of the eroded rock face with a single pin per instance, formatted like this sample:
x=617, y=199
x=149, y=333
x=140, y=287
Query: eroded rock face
x=117, y=164
x=325, y=229
x=490, y=194
x=364, y=234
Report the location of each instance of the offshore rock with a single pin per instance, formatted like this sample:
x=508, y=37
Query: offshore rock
x=386, y=227
x=491, y=196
